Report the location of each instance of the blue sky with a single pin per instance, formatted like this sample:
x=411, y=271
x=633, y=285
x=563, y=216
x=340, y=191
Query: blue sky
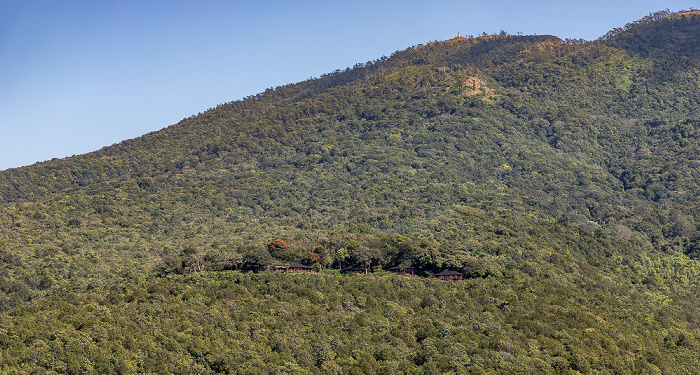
x=76, y=76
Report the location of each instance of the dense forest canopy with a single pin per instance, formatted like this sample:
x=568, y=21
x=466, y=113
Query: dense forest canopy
x=559, y=178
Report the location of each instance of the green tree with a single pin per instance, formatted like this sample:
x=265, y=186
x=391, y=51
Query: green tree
x=257, y=259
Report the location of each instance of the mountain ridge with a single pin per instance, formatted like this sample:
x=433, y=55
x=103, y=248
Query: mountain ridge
x=560, y=179
x=256, y=104
x=218, y=132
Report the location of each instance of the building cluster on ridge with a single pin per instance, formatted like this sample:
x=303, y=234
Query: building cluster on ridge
x=296, y=267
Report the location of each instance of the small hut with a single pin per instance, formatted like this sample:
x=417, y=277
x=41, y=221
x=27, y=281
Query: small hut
x=403, y=269
x=449, y=275
x=291, y=267
x=298, y=267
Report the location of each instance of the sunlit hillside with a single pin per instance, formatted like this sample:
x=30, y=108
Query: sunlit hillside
x=558, y=179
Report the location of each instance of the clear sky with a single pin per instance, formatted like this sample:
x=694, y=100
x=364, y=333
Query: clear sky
x=76, y=76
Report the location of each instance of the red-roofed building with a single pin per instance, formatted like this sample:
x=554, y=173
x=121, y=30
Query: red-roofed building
x=449, y=275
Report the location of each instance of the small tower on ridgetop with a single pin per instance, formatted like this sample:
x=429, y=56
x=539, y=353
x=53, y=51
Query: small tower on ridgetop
x=458, y=36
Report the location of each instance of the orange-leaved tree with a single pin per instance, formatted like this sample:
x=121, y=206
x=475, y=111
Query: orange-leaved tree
x=277, y=248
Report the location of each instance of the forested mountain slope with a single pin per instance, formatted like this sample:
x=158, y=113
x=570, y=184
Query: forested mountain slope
x=560, y=177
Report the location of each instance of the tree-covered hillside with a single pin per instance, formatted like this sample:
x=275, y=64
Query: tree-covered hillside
x=559, y=177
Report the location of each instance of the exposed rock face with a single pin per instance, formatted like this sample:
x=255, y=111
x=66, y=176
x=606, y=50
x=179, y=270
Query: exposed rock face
x=477, y=85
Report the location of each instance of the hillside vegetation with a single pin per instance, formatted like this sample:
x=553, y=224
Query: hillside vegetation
x=559, y=177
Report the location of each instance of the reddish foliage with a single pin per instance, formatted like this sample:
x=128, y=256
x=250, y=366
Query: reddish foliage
x=277, y=245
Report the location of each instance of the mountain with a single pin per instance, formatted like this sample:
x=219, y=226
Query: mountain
x=559, y=177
